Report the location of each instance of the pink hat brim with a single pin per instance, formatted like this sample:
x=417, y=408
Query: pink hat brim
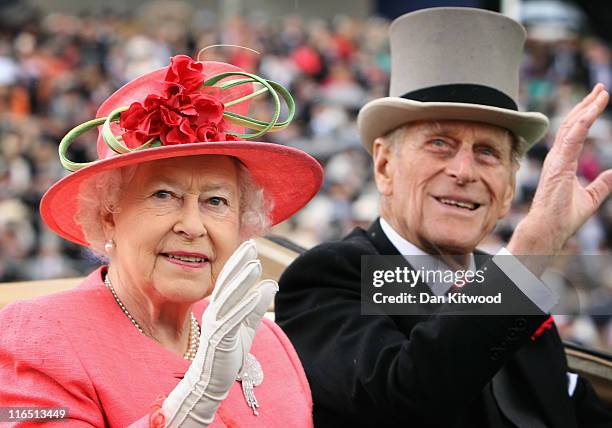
x=289, y=177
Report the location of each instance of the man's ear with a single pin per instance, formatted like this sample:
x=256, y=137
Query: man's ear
x=383, y=166
x=508, y=197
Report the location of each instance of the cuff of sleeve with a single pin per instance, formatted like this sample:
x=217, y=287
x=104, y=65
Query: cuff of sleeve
x=156, y=417
x=526, y=281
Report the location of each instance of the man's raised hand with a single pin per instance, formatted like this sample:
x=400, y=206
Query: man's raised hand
x=562, y=204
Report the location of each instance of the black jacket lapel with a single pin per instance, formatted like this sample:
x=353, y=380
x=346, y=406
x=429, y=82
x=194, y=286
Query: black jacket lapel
x=379, y=239
x=384, y=247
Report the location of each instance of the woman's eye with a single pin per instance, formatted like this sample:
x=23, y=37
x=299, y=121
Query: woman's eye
x=217, y=201
x=162, y=194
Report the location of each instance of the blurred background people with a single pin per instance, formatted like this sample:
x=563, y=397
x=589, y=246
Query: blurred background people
x=56, y=67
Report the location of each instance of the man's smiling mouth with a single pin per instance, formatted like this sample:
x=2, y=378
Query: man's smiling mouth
x=471, y=206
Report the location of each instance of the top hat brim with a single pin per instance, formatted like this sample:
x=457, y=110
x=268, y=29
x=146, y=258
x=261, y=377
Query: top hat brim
x=288, y=177
x=383, y=115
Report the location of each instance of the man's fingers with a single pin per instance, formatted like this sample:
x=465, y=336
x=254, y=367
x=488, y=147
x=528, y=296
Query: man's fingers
x=578, y=108
x=570, y=142
x=600, y=188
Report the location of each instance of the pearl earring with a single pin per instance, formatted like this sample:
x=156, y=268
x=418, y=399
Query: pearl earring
x=109, y=245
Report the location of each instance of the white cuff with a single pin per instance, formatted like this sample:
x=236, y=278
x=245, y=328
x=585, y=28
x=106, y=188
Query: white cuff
x=572, y=381
x=526, y=281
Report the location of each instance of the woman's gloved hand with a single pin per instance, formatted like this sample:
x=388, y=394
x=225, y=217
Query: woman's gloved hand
x=228, y=327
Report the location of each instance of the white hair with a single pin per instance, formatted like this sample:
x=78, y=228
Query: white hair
x=100, y=195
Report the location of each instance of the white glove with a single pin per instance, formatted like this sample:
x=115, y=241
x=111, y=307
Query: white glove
x=228, y=328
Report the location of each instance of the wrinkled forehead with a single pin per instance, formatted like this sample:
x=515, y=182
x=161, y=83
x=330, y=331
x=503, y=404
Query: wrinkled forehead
x=193, y=171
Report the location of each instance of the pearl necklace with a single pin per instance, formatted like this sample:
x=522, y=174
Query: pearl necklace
x=194, y=328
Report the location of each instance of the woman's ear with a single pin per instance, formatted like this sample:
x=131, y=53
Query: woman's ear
x=108, y=224
x=383, y=166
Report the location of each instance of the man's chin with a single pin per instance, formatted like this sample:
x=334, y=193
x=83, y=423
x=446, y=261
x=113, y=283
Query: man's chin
x=453, y=246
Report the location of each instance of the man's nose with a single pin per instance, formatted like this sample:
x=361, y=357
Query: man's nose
x=462, y=167
x=190, y=221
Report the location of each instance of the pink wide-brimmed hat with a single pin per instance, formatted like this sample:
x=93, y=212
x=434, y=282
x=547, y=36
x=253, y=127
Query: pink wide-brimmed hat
x=189, y=108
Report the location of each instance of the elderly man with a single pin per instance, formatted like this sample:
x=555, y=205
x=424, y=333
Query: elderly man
x=445, y=146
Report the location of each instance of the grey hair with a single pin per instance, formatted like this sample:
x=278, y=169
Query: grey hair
x=100, y=195
x=398, y=134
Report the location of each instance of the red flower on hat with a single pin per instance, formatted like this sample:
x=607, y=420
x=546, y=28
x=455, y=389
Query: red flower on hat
x=184, y=72
x=185, y=113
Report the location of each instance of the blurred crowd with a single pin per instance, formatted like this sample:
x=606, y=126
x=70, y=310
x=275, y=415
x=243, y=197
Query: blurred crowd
x=56, y=69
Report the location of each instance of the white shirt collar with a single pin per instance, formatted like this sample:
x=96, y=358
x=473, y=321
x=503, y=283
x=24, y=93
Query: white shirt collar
x=419, y=258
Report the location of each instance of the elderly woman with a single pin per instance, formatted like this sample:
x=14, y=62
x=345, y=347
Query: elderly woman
x=170, y=204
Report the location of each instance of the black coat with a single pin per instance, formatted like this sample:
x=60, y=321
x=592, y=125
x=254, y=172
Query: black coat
x=421, y=371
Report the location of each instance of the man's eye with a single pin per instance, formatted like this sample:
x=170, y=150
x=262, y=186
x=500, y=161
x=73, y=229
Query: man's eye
x=438, y=143
x=487, y=151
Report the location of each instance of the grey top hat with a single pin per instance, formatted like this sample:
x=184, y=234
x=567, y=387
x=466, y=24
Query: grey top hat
x=453, y=64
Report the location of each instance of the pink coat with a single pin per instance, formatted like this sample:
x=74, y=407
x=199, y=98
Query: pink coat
x=77, y=349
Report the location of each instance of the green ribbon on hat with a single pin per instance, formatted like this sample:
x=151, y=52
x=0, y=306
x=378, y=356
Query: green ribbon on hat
x=276, y=91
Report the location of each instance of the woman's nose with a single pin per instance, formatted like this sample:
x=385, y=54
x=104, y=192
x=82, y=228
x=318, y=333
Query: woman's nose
x=190, y=222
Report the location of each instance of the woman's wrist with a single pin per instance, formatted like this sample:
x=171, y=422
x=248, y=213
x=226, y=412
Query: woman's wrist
x=157, y=419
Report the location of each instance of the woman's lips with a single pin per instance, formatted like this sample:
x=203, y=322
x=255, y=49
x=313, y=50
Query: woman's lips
x=187, y=260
